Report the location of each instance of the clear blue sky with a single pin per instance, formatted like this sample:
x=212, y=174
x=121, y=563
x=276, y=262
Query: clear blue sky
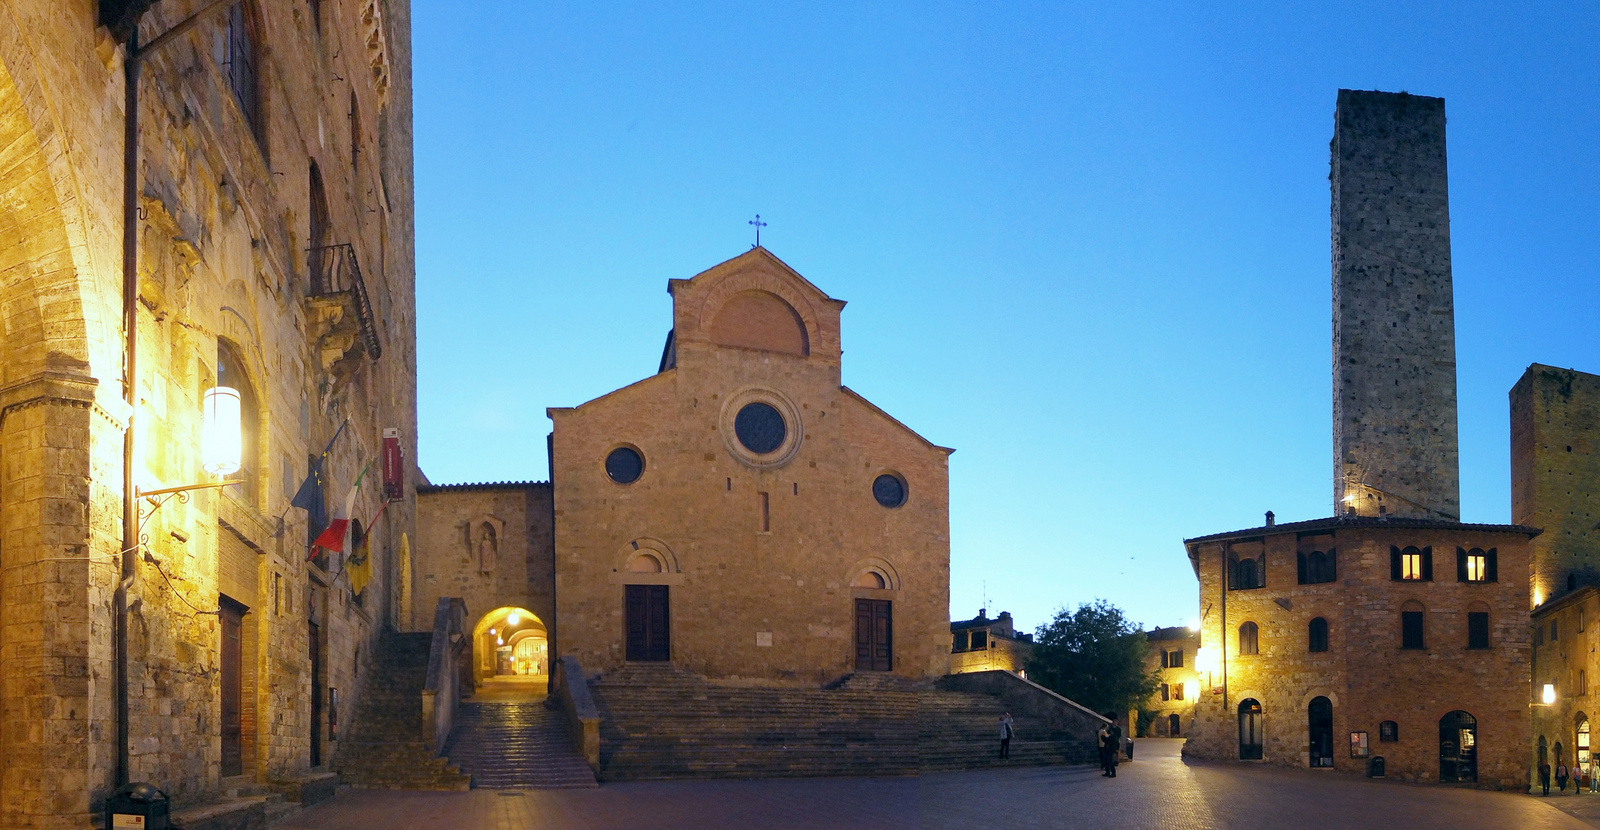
x=1086, y=246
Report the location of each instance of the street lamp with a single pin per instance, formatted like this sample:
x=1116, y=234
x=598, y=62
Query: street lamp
x=221, y=438
x=1549, y=694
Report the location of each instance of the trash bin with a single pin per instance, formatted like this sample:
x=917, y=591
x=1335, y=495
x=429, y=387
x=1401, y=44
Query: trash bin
x=1375, y=767
x=138, y=807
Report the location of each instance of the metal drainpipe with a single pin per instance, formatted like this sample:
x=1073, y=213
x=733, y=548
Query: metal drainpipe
x=1222, y=641
x=132, y=63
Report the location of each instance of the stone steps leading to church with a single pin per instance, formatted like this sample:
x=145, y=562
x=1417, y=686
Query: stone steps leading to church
x=384, y=748
x=661, y=722
x=523, y=745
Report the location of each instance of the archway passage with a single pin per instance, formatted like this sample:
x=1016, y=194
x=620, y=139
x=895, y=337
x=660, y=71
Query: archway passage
x=1458, y=748
x=510, y=654
x=1320, y=717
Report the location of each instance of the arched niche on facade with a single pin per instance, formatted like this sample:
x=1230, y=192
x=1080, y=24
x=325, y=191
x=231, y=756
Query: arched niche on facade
x=645, y=560
x=874, y=577
x=483, y=537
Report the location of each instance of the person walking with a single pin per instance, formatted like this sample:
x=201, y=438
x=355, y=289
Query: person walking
x=1562, y=774
x=1006, y=731
x=1116, y=747
x=1544, y=776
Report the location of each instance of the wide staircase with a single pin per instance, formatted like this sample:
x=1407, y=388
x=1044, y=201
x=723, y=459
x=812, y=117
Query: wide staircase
x=516, y=745
x=384, y=748
x=661, y=722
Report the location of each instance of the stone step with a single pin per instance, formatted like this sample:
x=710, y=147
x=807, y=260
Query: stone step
x=516, y=745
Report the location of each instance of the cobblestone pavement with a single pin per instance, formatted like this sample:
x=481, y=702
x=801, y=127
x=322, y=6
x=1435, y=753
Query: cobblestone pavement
x=1157, y=791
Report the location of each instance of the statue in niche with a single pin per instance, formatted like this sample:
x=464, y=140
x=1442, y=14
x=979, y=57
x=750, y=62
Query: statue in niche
x=487, y=548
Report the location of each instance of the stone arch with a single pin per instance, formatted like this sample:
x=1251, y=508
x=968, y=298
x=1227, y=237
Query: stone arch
x=873, y=566
x=761, y=280
x=495, y=631
x=1305, y=700
x=757, y=319
x=636, y=552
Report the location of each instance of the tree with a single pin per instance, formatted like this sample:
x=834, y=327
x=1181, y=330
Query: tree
x=1093, y=656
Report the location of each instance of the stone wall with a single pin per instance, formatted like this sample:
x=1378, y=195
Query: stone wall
x=224, y=207
x=1181, y=683
x=1555, y=475
x=1565, y=658
x=1394, y=376
x=1365, y=673
x=448, y=558
x=763, y=557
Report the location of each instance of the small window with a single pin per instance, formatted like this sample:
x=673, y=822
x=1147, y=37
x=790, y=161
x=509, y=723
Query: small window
x=1249, y=639
x=1477, y=629
x=1177, y=691
x=1388, y=731
x=1246, y=573
x=980, y=640
x=1411, y=628
x=1476, y=565
x=960, y=641
x=624, y=465
x=1318, y=635
x=1555, y=630
x=1583, y=685
x=1318, y=567
x=889, y=490
x=1165, y=694
x=1176, y=658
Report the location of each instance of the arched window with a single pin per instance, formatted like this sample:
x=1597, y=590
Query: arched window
x=1544, y=750
x=1388, y=731
x=231, y=373
x=1317, y=567
x=1583, y=756
x=1411, y=564
x=1249, y=730
x=1248, y=639
x=1477, y=565
x=243, y=54
x=1246, y=572
x=319, y=234
x=1318, y=635
x=1411, y=625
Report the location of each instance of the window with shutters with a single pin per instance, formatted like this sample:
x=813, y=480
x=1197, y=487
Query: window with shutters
x=1477, y=629
x=242, y=65
x=1476, y=565
x=1411, y=563
x=1249, y=639
x=1411, y=626
x=1246, y=573
x=1317, y=566
x=1164, y=692
x=1175, y=659
x=1177, y=691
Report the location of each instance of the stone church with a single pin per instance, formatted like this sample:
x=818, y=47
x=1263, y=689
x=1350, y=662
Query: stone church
x=1390, y=631
x=740, y=514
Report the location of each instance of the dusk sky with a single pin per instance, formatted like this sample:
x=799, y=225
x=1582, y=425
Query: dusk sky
x=1085, y=245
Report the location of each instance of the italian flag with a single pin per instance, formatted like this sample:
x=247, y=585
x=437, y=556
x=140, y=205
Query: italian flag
x=337, y=536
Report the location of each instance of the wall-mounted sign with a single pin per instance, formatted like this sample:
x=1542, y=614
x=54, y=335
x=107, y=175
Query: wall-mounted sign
x=394, y=470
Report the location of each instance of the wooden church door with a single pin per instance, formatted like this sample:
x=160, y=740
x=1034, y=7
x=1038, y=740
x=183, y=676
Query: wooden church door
x=874, y=633
x=649, y=637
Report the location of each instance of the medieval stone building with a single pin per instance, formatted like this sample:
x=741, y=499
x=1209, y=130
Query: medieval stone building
x=266, y=250
x=1169, y=713
x=1391, y=628
x=984, y=644
x=1555, y=485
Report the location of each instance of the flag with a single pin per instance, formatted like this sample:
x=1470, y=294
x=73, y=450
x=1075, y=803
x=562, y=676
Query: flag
x=337, y=536
x=359, y=566
x=309, y=496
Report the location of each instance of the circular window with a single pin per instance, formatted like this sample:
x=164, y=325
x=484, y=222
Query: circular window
x=889, y=490
x=760, y=428
x=624, y=465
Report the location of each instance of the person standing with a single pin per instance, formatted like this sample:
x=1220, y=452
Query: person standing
x=1103, y=743
x=1006, y=732
x=1594, y=779
x=1561, y=776
x=1116, y=747
x=1544, y=776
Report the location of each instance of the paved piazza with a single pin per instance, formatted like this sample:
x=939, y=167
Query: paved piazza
x=1157, y=791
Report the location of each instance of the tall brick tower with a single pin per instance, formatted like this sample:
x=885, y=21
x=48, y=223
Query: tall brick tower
x=1394, y=342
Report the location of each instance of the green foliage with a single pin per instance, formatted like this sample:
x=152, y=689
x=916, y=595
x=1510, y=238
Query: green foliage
x=1146, y=718
x=1093, y=656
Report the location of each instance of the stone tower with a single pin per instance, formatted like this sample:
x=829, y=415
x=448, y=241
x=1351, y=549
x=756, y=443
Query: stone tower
x=1555, y=475
x=1394, y=348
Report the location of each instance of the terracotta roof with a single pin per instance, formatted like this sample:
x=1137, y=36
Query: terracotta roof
x=483, y=485
x=1337, y=522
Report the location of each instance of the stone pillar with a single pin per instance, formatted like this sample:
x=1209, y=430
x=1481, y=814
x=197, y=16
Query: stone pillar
x=1394, y=371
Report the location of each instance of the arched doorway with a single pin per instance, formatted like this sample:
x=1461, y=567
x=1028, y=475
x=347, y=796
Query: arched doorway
x=1320, y=717
x=1249, y=730
x=1458, y=748
x=1174, y=726
x=1583, y=757
x=510, y=644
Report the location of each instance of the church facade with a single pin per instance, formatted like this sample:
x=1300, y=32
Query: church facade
x=741, y=513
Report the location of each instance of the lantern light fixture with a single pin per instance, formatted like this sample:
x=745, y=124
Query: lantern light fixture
x=221, y=438
x=1549, y=693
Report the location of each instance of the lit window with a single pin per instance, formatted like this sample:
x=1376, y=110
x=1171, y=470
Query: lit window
x=1411, y=566
x=1411, y=563
x=1177, y=691
x=1475, y=565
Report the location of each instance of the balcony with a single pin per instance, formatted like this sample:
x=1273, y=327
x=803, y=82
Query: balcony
x=339, y=311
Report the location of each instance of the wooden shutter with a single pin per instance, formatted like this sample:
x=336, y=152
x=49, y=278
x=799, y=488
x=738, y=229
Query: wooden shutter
x=1333, y=565
x=1494, y=570
x=1394, y=562
x=1461, y=564
x=1427, y=564
x=1300, y=566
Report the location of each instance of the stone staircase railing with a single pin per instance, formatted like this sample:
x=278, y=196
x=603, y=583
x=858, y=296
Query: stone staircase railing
x=441, y=692
x=571, y=693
